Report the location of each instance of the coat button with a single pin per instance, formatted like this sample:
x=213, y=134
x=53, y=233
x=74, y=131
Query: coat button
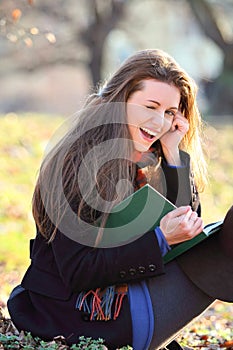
x=85, y=316
x=152, y=267
x=122, y=274
x=132, y=271
x=141, y=269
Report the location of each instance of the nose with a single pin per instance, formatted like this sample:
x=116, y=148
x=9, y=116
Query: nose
x=158, y=120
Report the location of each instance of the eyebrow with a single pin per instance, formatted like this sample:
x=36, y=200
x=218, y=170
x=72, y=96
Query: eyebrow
x=160, y=104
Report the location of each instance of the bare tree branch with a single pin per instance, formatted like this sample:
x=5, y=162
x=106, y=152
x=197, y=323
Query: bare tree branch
x=79, y=39
x=205, y=17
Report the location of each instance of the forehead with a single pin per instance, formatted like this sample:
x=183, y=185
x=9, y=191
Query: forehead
x=152, y=89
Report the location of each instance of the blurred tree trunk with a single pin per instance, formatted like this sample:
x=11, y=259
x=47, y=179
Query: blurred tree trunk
x=220, y=91
x=103, y=18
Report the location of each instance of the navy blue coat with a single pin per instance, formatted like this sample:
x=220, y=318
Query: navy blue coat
x=63, y=268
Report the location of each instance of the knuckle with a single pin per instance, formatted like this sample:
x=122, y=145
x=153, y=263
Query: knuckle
x=194, y=215
x=190, y=234
x=169, y=215
x=183, y=225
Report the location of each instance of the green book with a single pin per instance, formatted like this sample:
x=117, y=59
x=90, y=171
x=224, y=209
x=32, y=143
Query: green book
x=180, y=248
x=140, y=213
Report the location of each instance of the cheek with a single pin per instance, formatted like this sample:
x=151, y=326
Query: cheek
x=167, y=124
x=131, y=130
x=136, y=114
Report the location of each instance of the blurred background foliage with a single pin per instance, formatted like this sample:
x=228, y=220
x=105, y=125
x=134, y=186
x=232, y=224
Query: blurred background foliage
x=54, y=53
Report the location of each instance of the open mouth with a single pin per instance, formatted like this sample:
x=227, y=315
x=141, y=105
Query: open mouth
x=148, y=134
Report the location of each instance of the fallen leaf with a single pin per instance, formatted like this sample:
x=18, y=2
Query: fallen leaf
x=16, y=14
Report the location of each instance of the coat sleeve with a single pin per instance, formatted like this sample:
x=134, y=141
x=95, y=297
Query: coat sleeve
x=84, y=268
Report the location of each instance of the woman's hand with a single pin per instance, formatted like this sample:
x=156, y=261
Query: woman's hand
x=180, y=225
x=170, y=141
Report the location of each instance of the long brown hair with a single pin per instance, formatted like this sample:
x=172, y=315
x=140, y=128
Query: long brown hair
x=103, y=119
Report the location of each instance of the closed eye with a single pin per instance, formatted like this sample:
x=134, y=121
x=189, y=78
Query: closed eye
x=150, y=107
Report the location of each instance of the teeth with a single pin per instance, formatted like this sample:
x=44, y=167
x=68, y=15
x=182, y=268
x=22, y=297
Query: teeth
x=152, y=133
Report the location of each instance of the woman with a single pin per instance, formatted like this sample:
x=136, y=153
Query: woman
x=137, y=130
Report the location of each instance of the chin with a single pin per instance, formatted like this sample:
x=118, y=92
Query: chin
x=142, y=148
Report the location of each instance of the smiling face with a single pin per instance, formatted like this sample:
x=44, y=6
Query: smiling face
x=150, y=112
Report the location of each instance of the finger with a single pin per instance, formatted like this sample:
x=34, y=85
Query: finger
x=197, y=228
x=180, y=115
x=191, y=220
x=178, y=212
x=191, y=223
x=193, y=217
x=181, y=125
x=179, y=119
x=189, y=216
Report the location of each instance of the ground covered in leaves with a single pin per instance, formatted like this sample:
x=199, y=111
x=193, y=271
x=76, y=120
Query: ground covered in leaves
x=214, y=330
x=10, y=338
